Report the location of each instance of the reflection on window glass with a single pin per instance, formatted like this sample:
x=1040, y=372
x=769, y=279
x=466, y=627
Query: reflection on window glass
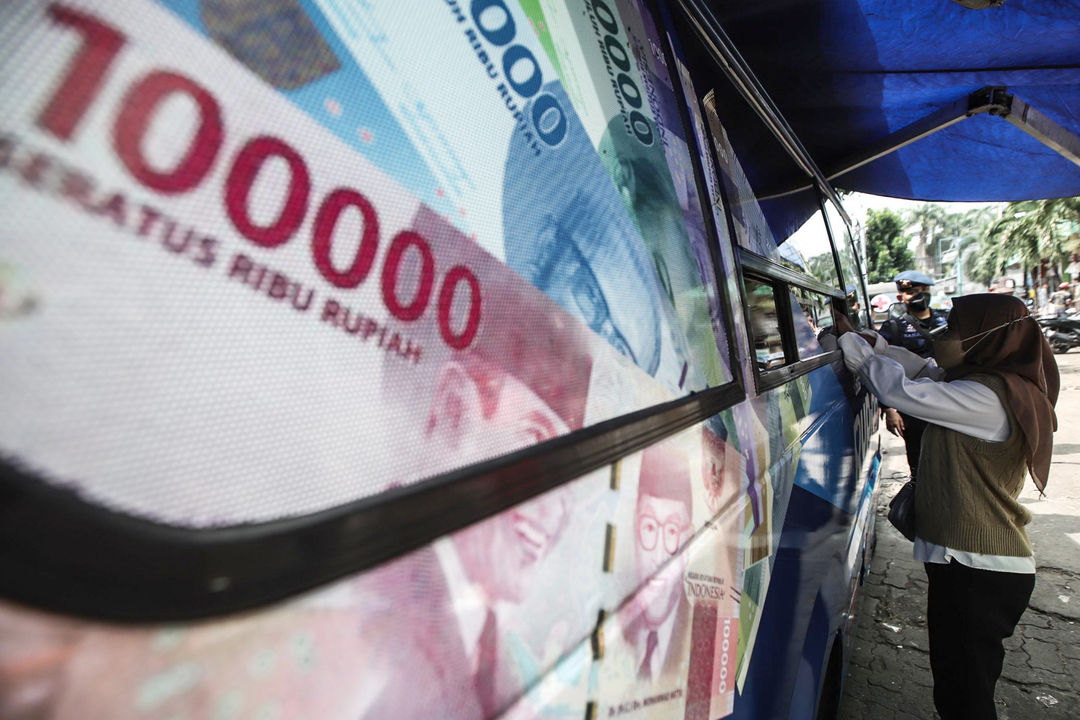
x=772, y=217
x=845, y=248
x=812, y=316
x=808, y=250
x=857, y=307
x=765, y=325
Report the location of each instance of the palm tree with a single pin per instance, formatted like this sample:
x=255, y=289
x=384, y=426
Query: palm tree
x=1034, y=233
x=1057, y=217
x=928, y=217
x=960, y=232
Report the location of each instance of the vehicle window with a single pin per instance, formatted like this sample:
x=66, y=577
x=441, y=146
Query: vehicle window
x=852, y=282
x=811, y=315
x=808, y=249
x=764, y=324
x=370, y=287
x=782, y=224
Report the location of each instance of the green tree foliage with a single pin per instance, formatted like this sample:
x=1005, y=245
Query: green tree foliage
x=928, y=217
x=1029, y=232
x=886, y=247
x=941, y=231
x=960, y=232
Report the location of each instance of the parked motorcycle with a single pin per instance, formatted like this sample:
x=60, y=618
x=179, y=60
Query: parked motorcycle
x=1062, y=331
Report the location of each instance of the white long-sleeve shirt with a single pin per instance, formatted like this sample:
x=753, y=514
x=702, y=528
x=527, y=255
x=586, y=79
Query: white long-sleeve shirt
x=913, y=385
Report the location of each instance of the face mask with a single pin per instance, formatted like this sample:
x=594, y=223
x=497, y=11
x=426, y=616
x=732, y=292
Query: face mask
x=919, y=303
x=949, y=351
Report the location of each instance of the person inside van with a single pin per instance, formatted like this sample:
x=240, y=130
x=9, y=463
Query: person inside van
x=989, y=404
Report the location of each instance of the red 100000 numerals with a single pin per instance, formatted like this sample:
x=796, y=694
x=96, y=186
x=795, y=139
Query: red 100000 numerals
x=81, y=86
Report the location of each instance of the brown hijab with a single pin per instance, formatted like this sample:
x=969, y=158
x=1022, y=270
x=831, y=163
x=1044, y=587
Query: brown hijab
x=1020, y=355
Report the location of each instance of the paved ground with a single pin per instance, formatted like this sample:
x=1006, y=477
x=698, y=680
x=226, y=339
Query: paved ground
x=889, y=671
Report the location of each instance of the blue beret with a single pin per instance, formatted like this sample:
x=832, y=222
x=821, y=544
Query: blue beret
x=914, y=276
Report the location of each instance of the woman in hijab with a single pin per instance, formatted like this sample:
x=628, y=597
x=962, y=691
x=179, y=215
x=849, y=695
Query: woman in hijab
x=990, y=404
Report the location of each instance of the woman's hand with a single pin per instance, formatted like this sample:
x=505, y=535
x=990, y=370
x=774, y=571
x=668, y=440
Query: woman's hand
x=841, y=324
x=893, y=422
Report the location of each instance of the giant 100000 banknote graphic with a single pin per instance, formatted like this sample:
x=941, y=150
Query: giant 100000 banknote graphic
x=231, y=278
x=275, y=256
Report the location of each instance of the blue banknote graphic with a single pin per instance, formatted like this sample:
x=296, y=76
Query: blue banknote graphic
x=568, y=233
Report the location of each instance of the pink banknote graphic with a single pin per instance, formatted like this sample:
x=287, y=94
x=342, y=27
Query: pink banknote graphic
x=714, y=579
x=331, y=322
x=355, y=649
x=522, y=380
x=648, y=641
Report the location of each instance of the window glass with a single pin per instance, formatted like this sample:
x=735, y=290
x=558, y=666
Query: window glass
x=845, y=248
x=811, y=315
x=725, y=255
x=776, y=215
x=764, y=324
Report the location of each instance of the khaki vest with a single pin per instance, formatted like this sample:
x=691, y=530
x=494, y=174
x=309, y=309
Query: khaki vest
x=965, y=498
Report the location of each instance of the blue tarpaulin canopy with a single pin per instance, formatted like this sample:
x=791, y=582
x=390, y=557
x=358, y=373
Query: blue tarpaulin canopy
x=858, y=78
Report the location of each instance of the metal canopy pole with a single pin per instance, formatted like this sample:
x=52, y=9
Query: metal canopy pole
x=1043, y=129
x=993, y=100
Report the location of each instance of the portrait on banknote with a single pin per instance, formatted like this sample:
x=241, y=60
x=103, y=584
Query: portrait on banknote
x=663, y=524
x=646, y=640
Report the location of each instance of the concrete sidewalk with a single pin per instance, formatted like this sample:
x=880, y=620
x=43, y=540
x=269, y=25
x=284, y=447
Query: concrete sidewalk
x=889, y=669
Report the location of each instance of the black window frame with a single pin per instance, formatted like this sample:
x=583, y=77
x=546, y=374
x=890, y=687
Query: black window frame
x=846, y=235
x=782, y=279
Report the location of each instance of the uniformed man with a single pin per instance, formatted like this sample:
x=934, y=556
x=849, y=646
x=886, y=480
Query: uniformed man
x=912, y=331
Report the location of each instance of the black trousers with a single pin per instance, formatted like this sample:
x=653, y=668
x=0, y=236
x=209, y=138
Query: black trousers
x=969, y=613
x=913, y=432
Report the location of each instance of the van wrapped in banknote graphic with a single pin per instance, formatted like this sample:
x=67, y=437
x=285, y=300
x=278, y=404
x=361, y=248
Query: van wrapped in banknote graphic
x=367, y=359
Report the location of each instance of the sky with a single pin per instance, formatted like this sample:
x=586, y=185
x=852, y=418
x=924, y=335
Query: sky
x=858, y=203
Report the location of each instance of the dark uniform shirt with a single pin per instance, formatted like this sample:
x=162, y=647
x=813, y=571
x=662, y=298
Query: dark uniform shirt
x=905, y=331
x=910, y=332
